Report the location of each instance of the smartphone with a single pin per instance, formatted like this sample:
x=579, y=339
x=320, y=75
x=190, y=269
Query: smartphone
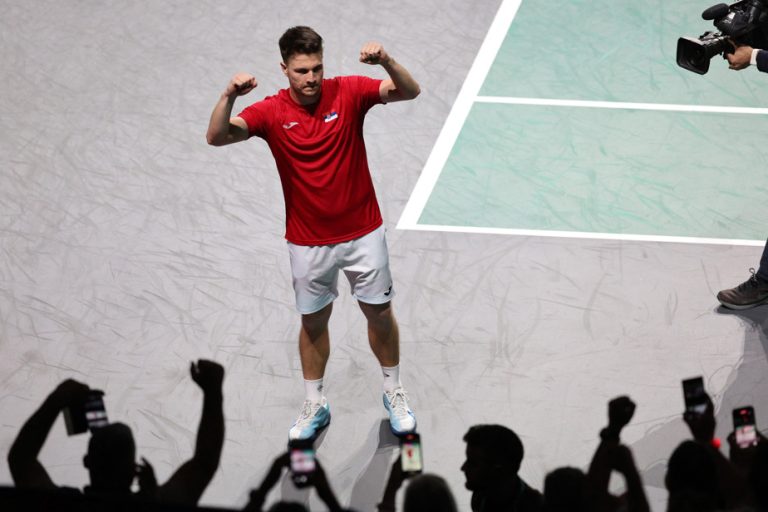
x=87, y=415
x=744, y=426
x=694, y=395
x=302, y=455
x=410, y=454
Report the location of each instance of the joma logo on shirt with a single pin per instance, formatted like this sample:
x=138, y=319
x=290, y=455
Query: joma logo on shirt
x=290, y=125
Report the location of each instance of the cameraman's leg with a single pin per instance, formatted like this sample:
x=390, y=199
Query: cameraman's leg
x=762, y=272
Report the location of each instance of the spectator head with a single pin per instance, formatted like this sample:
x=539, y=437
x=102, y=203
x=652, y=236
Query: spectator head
x=300, y=41
x=428, y=493
x=692, y=473
x=565, y=489
x=111, y=458
x=493, y=456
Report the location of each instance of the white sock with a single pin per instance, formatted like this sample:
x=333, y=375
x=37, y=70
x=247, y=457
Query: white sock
x=391, y=377
x=313, y=389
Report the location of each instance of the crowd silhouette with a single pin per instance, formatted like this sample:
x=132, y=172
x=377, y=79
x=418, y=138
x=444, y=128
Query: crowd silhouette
x=699, y=477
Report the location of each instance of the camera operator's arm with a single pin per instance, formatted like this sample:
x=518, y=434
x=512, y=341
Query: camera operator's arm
x=26, y=469
x=187, y=484
x=744, y=56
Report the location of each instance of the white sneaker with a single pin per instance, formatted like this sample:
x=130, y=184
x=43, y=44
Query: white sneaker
x=314, y=417
x=401, y=418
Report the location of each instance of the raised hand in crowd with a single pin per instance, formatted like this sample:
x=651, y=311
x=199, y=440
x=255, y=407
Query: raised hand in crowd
x=111, y=456
x=730, y=482
x=316, y=479
x=611, y=456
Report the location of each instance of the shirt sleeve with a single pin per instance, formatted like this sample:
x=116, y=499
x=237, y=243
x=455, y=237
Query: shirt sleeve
x=761, y=59
x=367, y=91
x=258, y=117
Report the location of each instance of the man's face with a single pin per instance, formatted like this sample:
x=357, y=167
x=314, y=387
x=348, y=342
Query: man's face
x=478, y=469
x=305, y=76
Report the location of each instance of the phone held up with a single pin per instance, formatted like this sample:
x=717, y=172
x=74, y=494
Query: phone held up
x=744, y=426
x=694, y=395
x=411, y=460
x=303, y=465
x=86, y=415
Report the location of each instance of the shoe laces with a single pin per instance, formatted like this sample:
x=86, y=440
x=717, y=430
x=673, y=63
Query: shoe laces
x=307, y=412
x=398, y=402
x=751, y=282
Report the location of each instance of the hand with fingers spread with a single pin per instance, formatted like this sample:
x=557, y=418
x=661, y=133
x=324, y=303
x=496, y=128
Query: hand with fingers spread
x=374, y=53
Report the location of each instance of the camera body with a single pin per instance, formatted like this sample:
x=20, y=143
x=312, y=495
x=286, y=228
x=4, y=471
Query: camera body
x=744, y=22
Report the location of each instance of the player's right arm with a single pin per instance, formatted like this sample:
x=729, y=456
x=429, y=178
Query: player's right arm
x=224, y=129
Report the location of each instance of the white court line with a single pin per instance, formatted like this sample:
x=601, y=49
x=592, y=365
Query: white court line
x=468, y=95
x=450, y=132
x=621, y=105
x=587, y=235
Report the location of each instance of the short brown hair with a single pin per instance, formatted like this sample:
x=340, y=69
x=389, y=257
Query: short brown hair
x=300, y=40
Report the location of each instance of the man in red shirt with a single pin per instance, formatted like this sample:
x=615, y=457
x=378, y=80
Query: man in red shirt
x=314, y=129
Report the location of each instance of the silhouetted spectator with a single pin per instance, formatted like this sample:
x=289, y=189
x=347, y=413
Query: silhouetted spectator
x=111, y=457
x=565, y=490
x=611, y=456
x=317, y=479
x=758, y=476
x=730, y=488
x=428, y=493
x=691, y=478
x=425, y=492
x=493, y=457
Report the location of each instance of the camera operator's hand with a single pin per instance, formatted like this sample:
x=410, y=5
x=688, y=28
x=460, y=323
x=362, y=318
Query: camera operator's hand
x=740, y=57
x=70, y=392
x=207, y=374
x=702, y=426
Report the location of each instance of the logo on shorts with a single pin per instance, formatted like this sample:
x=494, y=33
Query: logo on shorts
x=388, y=291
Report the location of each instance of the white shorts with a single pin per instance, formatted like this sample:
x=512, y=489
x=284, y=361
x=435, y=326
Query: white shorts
x=364, y=260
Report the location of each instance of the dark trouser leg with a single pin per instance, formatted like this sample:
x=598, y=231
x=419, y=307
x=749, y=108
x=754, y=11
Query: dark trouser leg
x=762, y=272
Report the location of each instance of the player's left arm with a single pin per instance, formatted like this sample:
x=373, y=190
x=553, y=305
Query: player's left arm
x=400, y=85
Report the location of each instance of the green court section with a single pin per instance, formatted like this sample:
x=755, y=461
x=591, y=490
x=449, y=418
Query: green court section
x=607, y=171
x=614, y=51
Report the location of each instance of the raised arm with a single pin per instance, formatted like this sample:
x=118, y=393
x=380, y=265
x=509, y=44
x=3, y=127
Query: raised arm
x=187, y=484
x=400, y=85
x=26, y=469
x=224, y=129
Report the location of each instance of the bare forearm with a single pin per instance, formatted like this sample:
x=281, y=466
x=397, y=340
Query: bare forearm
x=218, y=126
x=210, y=434
x=406, y=86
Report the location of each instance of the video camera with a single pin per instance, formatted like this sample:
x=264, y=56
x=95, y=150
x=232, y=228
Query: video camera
x=744, y=23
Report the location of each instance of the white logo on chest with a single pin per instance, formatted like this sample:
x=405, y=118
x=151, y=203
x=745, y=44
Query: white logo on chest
x=290, y=125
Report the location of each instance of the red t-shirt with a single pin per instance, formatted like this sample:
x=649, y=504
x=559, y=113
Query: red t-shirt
x=321, y=159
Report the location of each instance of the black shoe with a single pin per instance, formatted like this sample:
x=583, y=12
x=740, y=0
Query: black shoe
x=750, y=293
